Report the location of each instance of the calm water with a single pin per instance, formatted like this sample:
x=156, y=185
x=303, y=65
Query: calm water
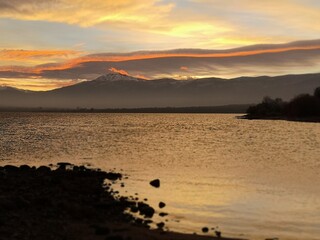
x=254, y=179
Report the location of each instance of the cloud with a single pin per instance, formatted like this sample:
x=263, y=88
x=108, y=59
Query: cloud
x=83, y=12
x=269, y=59
x=26, y=54
x=288, y=13
x=37, y=84
x=120, y=71
x=141, y=77
x=164, y=24
x=31, y=57
x=184, y=68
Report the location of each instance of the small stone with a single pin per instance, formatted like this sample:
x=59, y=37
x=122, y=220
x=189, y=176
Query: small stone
x=10, y=168
x=62, y=166
x=155, y=183
x=145, y=210
x=113, y=176
x=43, y=169
x=160, y=225
x=218, y=233
x=25, y=167
x=162, y=204
x=205, y=229
x=163, y=214
x=148, y=221
x=134, y=209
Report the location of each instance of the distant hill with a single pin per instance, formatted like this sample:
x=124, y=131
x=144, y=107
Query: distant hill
x=120, y=91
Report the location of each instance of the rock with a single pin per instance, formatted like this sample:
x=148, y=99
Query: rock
x=25, y=167
x=113, y=176
x=155, y=183
x=149, y=221
x=10, y=168
x=75, y=168
x=162, y=204
x=83, y=168
x=43, y=169
x=205, y=229
x=63, y=165
x=160, y=225
x=145, y=210
x=163, y=214
x=134, y=209
x=218, y=233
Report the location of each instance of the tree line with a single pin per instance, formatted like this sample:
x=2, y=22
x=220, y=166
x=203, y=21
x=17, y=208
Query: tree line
x=301, y=106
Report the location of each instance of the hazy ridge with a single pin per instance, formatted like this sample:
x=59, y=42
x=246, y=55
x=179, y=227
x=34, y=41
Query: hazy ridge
x=120, y=91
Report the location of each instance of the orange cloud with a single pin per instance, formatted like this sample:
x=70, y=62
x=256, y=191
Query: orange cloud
x=197, y=55
x=37, y=84
x=123, y=72
x=141, y=77
x=181, y=53
x=25, y=54
x=184, y=68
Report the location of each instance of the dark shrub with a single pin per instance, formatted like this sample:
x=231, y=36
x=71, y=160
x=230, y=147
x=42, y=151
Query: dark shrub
x=269, y=108
x=303, y=105
x=317, y=92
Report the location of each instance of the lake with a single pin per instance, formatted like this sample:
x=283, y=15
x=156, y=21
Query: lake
x=253, y=179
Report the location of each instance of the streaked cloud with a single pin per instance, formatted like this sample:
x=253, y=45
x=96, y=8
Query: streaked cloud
x=28, y=57
x=121, y=71
x=192, y=23
x=27, y=54
x=81, y=39
x=36, y=84
x=85, y=13
x=272, y=59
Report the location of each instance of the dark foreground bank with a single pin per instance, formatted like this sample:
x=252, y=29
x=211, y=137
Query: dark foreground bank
x=71, y=202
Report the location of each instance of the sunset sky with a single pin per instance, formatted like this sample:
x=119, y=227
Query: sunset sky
x=47, y=44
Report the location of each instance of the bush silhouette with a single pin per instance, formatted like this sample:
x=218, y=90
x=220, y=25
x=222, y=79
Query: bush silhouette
x=269, y=107
x=302, y=106
x=317, y=92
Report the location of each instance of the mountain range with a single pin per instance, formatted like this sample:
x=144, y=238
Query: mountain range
x=120, y=91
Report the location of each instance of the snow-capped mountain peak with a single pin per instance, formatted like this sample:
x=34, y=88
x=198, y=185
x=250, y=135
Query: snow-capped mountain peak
x=115, y=77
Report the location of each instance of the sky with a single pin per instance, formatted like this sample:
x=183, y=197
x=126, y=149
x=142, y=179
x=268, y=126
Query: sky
x=46, y=44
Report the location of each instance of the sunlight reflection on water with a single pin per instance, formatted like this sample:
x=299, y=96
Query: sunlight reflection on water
x=257, y=178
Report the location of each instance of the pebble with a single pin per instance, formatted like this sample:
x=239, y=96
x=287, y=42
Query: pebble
x=162, y=204
x=155, y=183
x=205, y=229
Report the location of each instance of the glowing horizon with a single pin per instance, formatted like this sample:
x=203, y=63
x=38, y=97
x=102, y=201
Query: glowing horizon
x=44, y=41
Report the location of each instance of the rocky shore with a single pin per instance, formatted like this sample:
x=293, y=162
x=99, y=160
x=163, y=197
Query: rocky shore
x=67, y=202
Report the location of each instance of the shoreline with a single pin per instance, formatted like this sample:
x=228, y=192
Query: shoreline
x=231, y=108
x=284, y=118
x=75, y=202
